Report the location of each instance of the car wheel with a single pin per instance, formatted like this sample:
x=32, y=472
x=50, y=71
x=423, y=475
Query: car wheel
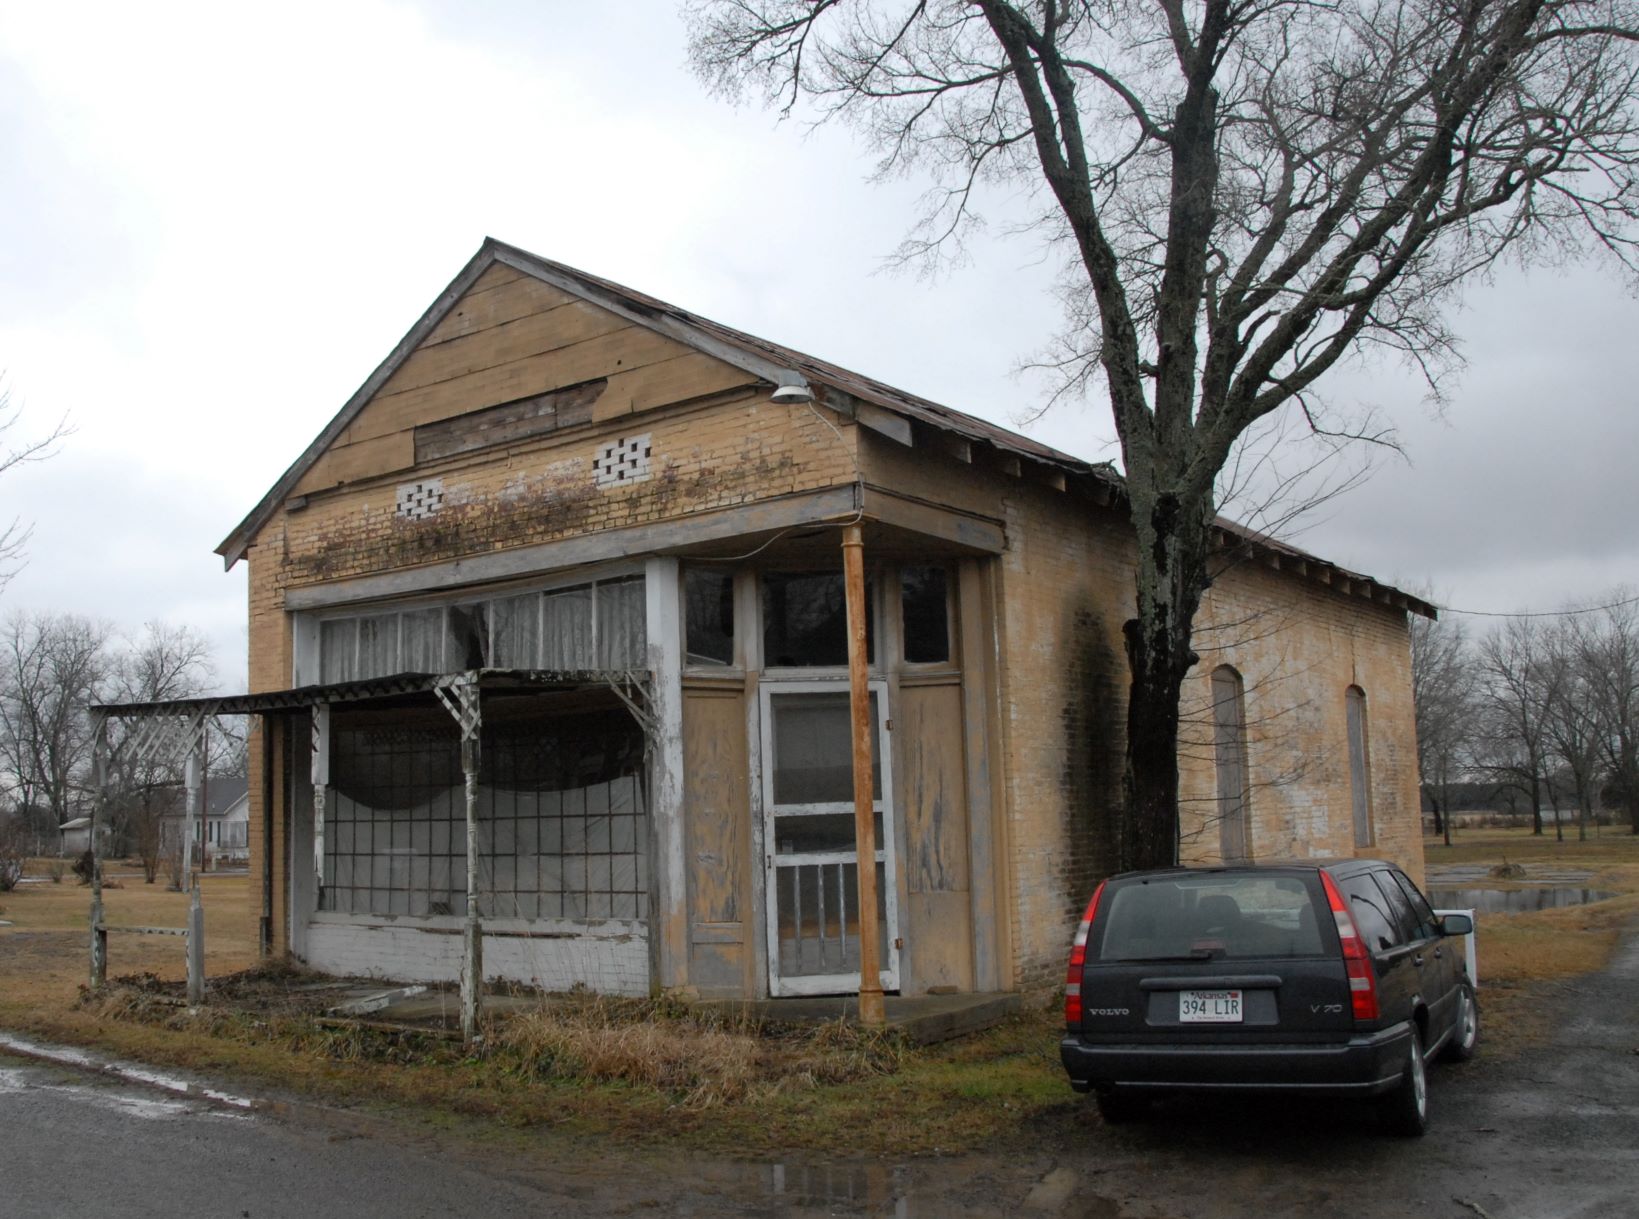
x=1465, y=1032
x=1116, y=1108
x=1405, y=1110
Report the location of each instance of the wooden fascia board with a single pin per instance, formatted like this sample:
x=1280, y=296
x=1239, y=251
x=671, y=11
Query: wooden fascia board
x=233, y=547
x=979, y=534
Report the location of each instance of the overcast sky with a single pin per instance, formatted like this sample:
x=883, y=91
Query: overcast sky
x=216, y=225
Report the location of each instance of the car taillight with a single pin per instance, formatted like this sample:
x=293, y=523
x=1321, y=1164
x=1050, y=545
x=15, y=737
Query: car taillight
x=1078, y=957
x=1357, y=962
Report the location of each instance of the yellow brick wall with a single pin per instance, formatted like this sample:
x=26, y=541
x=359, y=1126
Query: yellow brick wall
x=702, y=458
x=1298, y=647
x=1066, y=588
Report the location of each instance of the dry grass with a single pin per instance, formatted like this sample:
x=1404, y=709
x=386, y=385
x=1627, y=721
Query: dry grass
x=640, y=1071
x=46, y=952
x=701, y=1061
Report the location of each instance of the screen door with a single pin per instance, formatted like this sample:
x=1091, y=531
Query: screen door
x=812, y=882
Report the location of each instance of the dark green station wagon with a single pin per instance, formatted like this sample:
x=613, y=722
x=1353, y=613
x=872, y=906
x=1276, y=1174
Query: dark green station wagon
x=1330, y=978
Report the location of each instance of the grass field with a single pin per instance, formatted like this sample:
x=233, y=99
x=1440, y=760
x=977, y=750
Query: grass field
x=641, y=1071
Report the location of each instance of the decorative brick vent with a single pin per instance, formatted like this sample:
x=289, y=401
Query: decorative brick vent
x=622, y=461
x=418, y=501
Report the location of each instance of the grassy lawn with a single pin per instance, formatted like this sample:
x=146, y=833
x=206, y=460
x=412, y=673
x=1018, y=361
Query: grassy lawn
x=637, y=1071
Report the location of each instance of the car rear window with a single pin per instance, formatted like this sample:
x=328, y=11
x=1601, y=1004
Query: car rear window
x=1212, y=916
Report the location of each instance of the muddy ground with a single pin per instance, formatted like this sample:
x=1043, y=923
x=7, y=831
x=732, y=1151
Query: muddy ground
x=1551, y=1132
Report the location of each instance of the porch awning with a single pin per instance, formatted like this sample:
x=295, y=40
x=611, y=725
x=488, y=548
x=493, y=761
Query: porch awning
x=371, y=689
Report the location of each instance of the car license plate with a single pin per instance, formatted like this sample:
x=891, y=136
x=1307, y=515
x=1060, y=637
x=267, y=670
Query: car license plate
x=1209, y=1006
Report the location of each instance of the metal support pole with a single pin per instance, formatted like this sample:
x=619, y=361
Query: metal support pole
x=859, y=699
x=196, y=949
x=467, y=711
x=99, y=934
x=191, y=768
x=472, y=957
x=321, y=780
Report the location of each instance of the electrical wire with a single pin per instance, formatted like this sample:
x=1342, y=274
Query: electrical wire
x=1564, y=613
x=859, y=513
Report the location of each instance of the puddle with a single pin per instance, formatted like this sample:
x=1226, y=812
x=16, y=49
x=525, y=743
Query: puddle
x=1515, y=901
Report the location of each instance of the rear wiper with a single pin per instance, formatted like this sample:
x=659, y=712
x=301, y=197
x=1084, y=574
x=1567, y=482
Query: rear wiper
x=1194, y=954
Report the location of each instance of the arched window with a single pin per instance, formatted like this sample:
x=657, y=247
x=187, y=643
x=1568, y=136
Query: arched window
x=1360, y=788
x=1229, y=754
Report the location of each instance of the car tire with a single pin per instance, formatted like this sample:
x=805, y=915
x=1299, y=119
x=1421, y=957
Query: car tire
x=1116, y=1108
x=1405, y=1110
x=1465, y=1031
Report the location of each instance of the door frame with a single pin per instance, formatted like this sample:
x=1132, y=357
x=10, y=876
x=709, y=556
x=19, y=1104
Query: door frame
x=826, y=984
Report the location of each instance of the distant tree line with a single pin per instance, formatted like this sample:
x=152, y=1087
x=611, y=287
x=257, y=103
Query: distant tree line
x=53, y=667
x=1539, y=712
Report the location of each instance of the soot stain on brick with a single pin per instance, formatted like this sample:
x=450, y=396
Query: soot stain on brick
x=553, y=505
x=1091, y=779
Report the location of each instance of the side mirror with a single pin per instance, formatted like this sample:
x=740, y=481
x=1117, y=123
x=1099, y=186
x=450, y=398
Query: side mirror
x=1456, y=924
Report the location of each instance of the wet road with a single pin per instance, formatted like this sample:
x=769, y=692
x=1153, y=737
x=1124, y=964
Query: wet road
x=1553, y=1134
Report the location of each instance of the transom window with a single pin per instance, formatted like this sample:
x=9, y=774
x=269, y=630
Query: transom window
x=598, y=625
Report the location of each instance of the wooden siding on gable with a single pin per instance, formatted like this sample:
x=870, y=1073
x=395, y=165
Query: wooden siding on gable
x=509, y=340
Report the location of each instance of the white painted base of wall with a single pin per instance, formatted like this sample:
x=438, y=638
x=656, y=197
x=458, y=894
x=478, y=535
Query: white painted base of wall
x=611, y=958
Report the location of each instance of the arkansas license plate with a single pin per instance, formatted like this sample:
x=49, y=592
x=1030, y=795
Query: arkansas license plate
x=1209, y=1006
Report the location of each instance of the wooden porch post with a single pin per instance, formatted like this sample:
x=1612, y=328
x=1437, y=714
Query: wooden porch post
x=99, y=934
x=859, y=698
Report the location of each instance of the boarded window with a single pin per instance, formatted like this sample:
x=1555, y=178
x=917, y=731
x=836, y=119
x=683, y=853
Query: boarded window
x=708, y=616
x=1229, y=755
x=925, y=605
x=1359, y=766
x=805, y=620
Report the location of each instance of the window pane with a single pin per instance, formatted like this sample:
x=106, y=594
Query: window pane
x=378, y=645
x=813, y=749
x=821, y=832
x=805, y=620
x=467, y=641
x=1405, y=918
x=517, y=631
x=566, y=632
x=338, y=650
x=421, y=640
x=926, y=607
x=1371, y=914
x=708, y=612
x=621, y=627
x=1230, y=916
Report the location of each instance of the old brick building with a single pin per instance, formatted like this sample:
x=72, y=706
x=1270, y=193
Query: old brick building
x=597, y=503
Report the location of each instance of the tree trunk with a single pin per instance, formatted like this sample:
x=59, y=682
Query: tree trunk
x=1171, y=574
x=1439, y=818
x=1536, y=805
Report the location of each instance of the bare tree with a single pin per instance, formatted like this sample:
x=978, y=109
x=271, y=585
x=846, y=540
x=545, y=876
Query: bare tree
x=15, y=534
x=1516, y=687
x=162, y=663
x=1572, y=720
x=1609, y=656
x=1442, y=688
x=1245, y=193
x=51, y=667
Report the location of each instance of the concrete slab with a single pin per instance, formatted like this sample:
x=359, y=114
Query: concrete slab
x=921, y=1019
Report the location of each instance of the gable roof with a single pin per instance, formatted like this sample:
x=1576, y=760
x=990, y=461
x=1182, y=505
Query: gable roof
x=773, y=364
